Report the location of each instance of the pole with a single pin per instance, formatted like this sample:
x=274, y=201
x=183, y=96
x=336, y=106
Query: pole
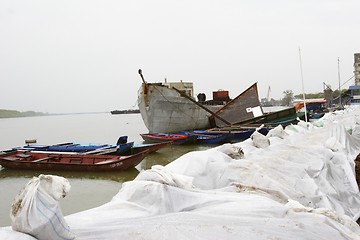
x=302, y=82
x=339, y=81
x=142, y=77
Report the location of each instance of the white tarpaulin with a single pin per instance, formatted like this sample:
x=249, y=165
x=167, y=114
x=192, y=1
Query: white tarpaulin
x=300, y=186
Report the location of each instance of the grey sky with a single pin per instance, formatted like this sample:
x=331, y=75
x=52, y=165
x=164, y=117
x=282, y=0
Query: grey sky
x=83, y=55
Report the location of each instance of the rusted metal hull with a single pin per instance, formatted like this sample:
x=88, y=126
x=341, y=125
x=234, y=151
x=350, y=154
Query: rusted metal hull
x=245, y=106
x=69, y=162
x=164, y=110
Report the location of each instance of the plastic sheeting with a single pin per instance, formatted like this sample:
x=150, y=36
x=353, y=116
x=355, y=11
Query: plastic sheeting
x=300, y=186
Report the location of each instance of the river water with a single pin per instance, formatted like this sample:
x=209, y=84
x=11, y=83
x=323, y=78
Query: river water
x=88, y=190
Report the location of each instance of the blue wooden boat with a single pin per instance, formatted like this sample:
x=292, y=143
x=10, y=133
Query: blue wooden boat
x=203, y=137
x=238, y=133
x=85, y=148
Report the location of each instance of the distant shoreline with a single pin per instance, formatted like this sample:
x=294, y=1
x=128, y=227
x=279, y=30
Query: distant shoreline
x=17, y=114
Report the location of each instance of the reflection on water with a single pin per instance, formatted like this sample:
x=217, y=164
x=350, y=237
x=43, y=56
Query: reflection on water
x=169, y=154
x=88, y=189
x=113, y=176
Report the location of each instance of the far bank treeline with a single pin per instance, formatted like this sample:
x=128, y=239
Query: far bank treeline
x=13, y=113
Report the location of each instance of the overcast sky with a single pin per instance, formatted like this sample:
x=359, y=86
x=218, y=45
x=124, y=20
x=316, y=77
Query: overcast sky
x=83, y=55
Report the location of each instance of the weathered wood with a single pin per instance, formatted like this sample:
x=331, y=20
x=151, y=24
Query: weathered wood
x=102, y=151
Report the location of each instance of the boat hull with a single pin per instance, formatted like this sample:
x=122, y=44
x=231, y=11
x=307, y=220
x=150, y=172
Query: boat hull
x=69, y=162
x=205, y=137
x=164, y=110
x=166, y=137
x=150, y=147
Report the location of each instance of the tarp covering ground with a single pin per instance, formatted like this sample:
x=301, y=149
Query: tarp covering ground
x=296, y=183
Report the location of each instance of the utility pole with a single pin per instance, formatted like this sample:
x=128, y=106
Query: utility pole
x=302, y=83
x=339, y=82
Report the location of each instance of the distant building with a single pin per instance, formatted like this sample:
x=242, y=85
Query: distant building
x=352, y=96
x=357, y=68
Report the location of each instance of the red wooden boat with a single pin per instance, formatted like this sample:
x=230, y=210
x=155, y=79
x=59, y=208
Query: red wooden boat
x=166, y=137
x=151, y=147
x=28, y=160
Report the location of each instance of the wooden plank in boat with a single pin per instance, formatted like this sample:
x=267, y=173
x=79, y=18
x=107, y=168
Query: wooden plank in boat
x=102, y=151
x=23, y=155
x=11, y=158
x=43, y=159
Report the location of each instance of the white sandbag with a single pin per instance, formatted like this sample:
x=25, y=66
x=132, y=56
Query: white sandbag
x=36, y=210
x=8, y=234
x=278, y=131
x=303, y=124
x=355, y=131
x=160, y=174
x=319, y=123
x=259, y=140
x=333, y=144
x=233, y=151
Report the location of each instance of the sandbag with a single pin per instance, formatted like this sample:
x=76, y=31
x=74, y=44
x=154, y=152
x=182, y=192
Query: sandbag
x=259, y=140
x=278, y=131
x=231, y=150
x=36, y=210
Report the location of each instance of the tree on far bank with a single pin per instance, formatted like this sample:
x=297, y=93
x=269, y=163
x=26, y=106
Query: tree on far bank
x=288, y=98
x=309, y=95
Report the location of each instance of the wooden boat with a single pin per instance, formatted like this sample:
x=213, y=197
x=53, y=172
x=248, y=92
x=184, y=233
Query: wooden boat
x=283, y=117
x=150, y=147
x=170, y=107
x=239, y=133
x=28, y=160
x=205, y=137
x=315, y=115
x=175, y=138
x=89, y=148
x=315, y=108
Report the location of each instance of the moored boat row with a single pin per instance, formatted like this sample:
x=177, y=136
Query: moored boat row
x=213, y=136
x=78, y=157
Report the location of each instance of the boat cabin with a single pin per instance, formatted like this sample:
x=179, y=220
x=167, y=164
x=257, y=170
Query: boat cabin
x=185, y=87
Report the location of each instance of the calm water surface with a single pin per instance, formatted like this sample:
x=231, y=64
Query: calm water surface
x=88, y=190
